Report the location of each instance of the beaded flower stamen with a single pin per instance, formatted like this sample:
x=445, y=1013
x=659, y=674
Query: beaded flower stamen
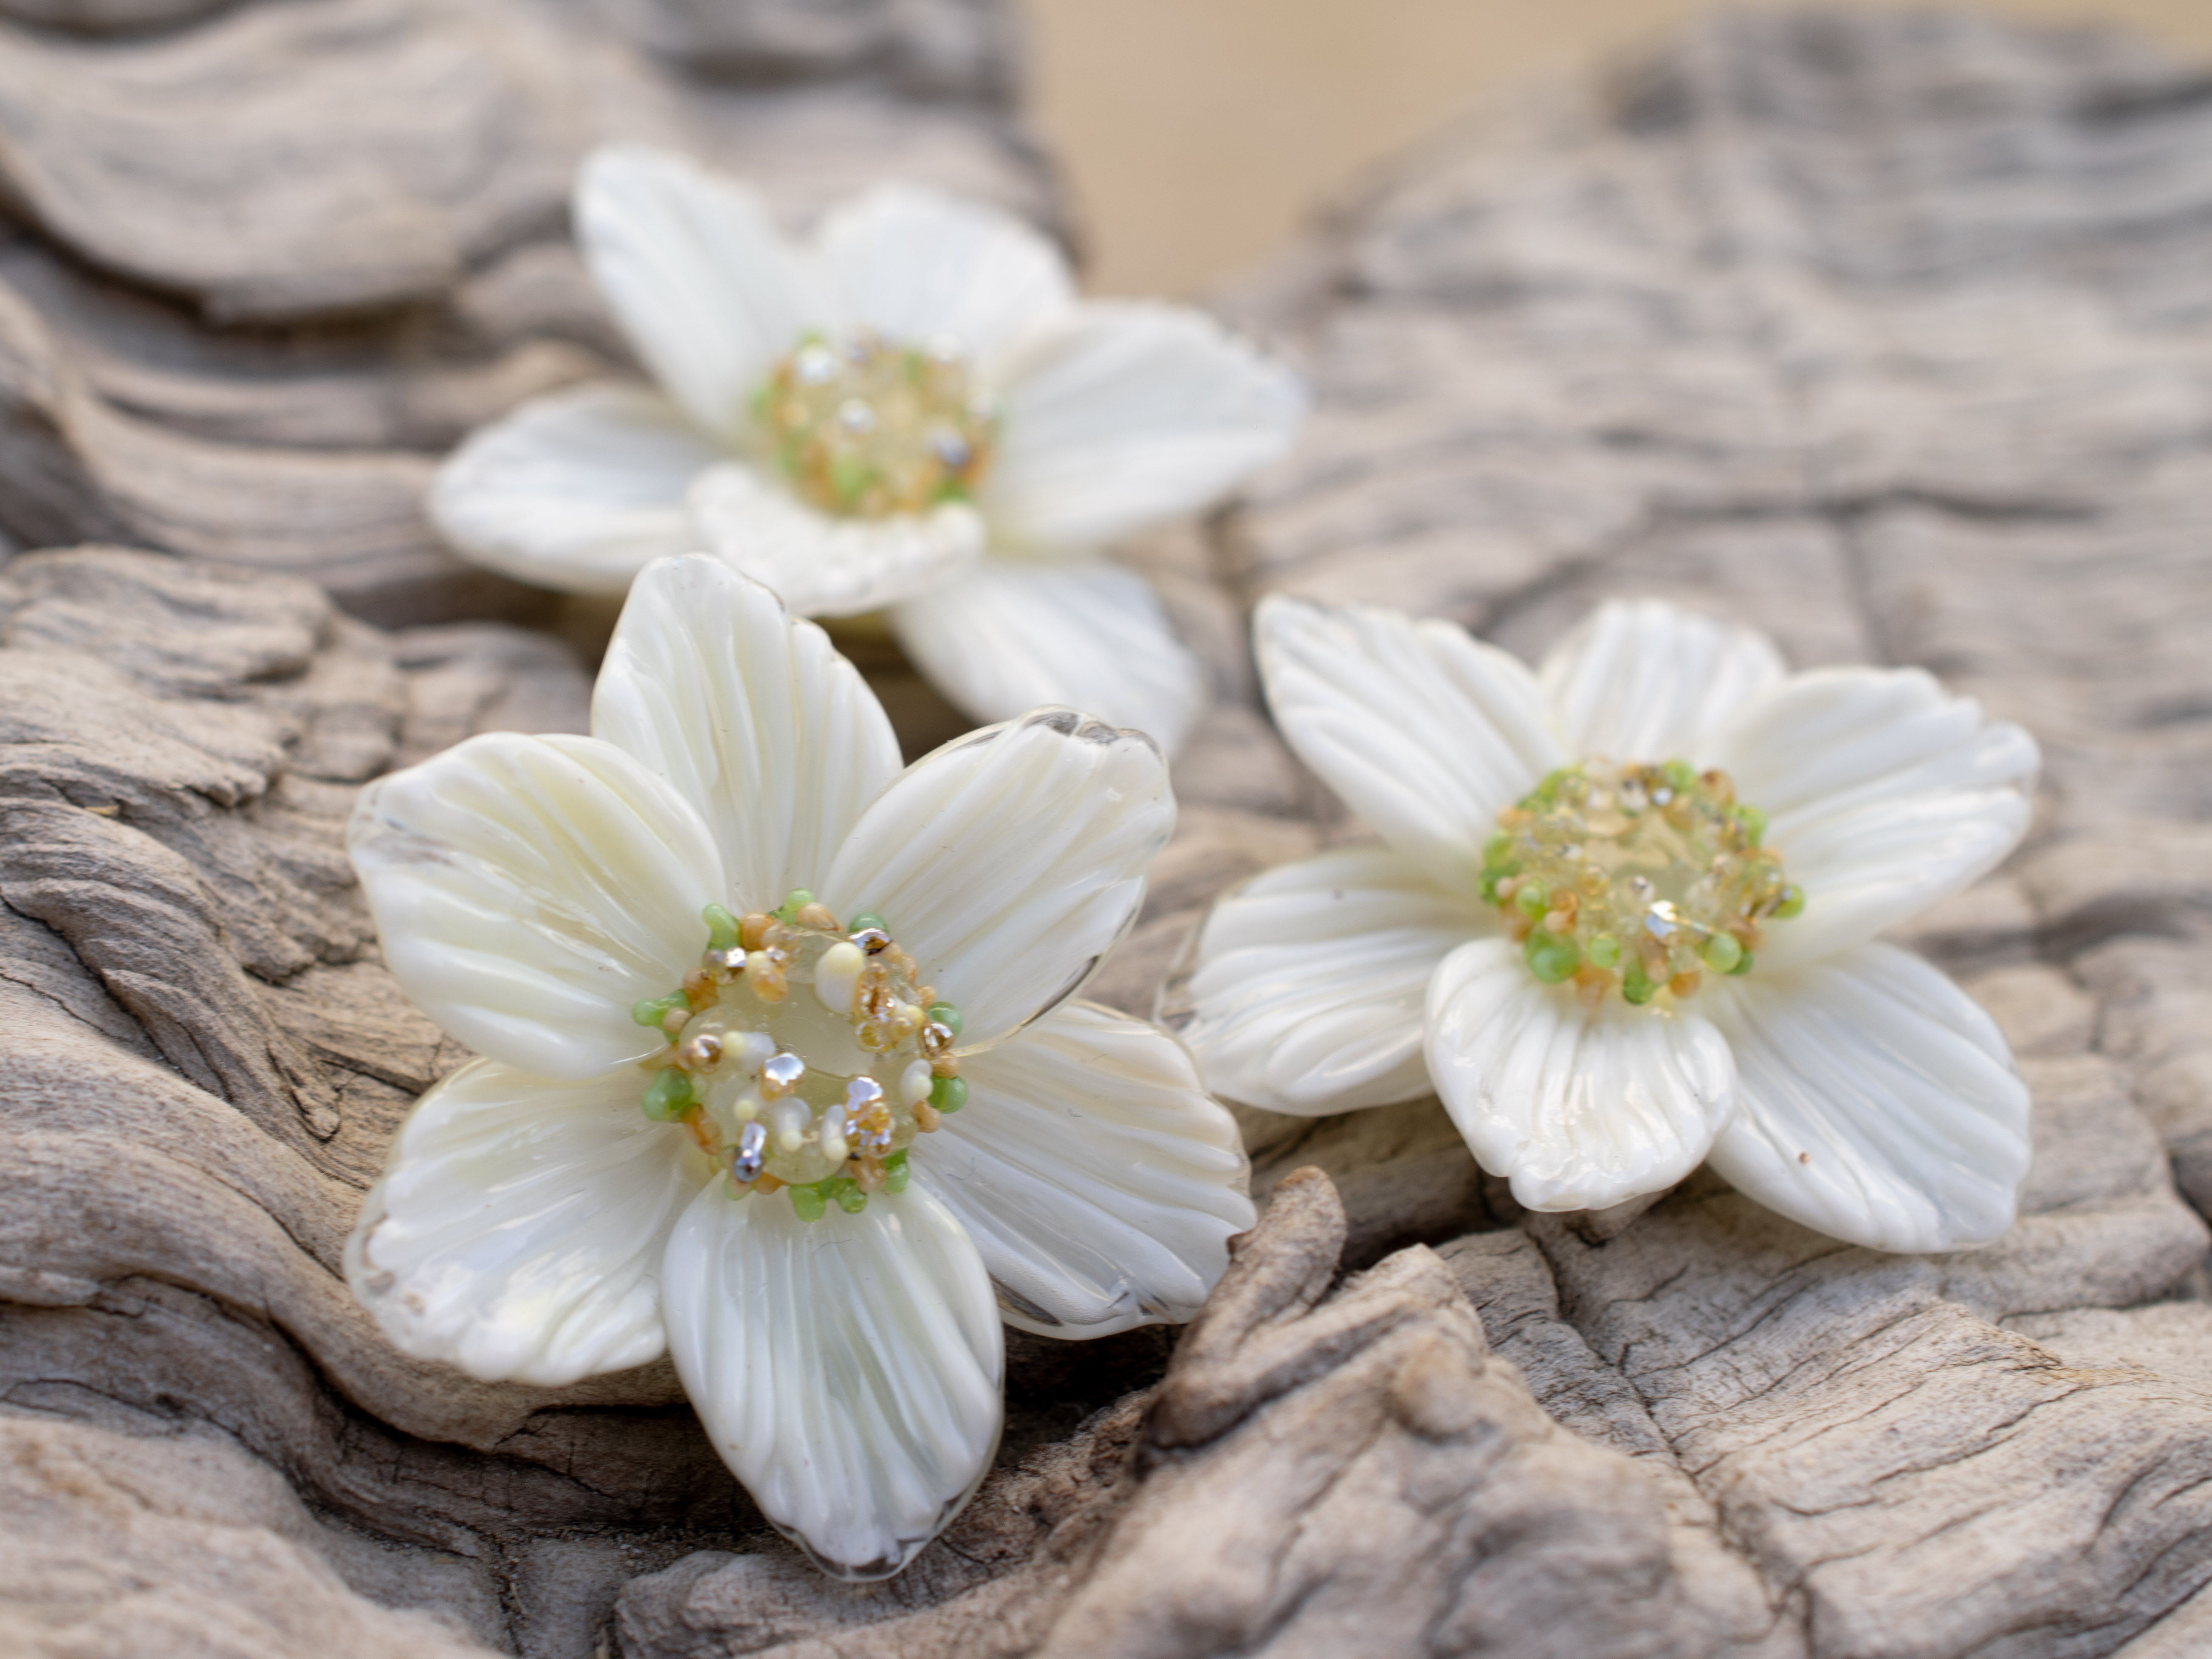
x=1639, y=877
x=866, y=427
x=803, y=1054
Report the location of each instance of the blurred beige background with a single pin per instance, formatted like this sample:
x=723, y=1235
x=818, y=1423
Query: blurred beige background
x=1197, y=131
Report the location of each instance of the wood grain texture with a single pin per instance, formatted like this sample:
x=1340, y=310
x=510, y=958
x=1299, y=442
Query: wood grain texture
x=268, y=260
x=1890, y=335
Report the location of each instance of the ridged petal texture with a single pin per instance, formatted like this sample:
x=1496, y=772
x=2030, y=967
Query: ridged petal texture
x=918, y=266
x=1308, y=984
x=705, y=287
x=1582, y=1107
x=755, y=721
x=1124, y=415
x=1424, y=731
x=579, y=491
x=1010, y=860
x=1091, y=1168
x=528, y=891
x=1883, y=793
x=846, y=1368
x=1877, y=1103
x=1014, y=634
x=518, y=1228
x=825, y=566
x=1641, y=681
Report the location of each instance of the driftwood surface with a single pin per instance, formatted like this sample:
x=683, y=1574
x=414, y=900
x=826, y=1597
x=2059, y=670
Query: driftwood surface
x=1892, y=335
x=261, y=264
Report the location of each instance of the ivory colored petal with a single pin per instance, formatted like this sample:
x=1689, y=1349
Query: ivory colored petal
x=1126, y=414
x=847, y=1370
x=1581, y=1109
x=1098, y=1179
x=579, y=491
x=918, y=266
x=1641, y=681
x=1010, y=860
x=772, y=737
x=1424, y=731
x=1883, y=793
x=529, y=890
x=1010, y=635
x=519, y=1227
x=705, y=287
x=1308, y=987
x=824, y=566
x=1878, y=1104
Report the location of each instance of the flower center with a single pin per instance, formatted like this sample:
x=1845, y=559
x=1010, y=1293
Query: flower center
x=1640, y=877
x=866, y=428
x=804, y=1055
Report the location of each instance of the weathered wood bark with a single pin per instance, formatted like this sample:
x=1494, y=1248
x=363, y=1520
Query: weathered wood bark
x=1892, y=335
x=267, y=266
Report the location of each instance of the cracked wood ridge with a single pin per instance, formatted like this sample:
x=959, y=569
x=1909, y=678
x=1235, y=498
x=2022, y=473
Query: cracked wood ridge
x=1889, y=334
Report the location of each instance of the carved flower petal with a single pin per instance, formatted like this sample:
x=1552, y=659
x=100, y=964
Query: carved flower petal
x=1423, y=730
x=915, y=265
x=1641, y=681
x=519, y=1227
x=1010, y=860
x=1878, y=1104
x=579, y=491
x=1883, y=793
x=708, y=291
x=1098, y=1180
x=1310, y=984
x=824, y=566
x=773, y=738
x=1582, y=1108
x=1125, y=416
x=528, y=891
x=847, y=1370
x=1010, y=635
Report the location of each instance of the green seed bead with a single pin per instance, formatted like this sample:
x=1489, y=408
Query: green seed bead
x=807, y=1203
x=895, y=1173
x=1603, y=952
x=1551, y=958
x=949, y=1094
x=1497, y=851
x=945, y=1014
x=653, y=1009
x=793, y=901
x=1742, y=965
x=722, y=928
x=847, y=1192
x=1533, y=900
x=1722, y=952
x=668, y=1096
x=1549, y=789
x=1753, y=822
x=849, y=478
x=1679, y=775
x=865, y=919
x=1636, y=985
x=1793, y=902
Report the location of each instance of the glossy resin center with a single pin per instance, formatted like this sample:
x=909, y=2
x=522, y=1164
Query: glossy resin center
x=866, y=427
x=803, y=1054
x=1641, y=878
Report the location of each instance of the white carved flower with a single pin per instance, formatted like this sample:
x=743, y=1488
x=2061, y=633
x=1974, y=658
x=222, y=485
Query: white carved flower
x=1623, y=915
x=912, y=413
x=802, y=1168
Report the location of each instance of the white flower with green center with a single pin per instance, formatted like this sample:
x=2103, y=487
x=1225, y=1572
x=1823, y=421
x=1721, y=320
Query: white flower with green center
x=780, y=1072
x=1623, y=918
x=912, y=413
